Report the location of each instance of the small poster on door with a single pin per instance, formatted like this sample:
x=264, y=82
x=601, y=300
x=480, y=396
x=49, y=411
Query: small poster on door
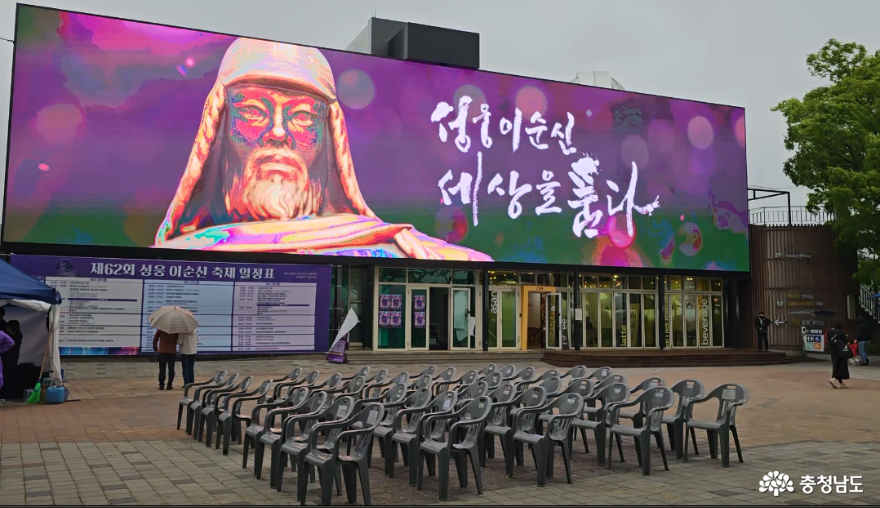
x=419, y=319
x=384, y=302
x=418, y=302
x=390, y=319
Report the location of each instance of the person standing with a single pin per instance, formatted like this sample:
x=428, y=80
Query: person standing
x=166, y=345
x=2, y=320
x=864, y=331
x=9, y=359
x=840, y=354
x=188, y=345
x=762, y=324
x=6, y=343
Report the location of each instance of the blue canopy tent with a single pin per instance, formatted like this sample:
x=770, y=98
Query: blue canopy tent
x=22, y=290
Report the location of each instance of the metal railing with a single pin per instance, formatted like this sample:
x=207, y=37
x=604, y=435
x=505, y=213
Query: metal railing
x=871, y=305
x=785, y=216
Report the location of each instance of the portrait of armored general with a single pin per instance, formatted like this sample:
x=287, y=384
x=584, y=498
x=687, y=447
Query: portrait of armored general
x=271, y=169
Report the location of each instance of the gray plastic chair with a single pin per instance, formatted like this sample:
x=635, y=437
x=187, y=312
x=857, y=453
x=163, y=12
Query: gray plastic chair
x=207, y=420
x=375, y=384
x=308, y=381
x=475, y=390
x=444, y=375
x=652, y=402
x=297, y=447
x=487, y=370
x=408, y=434
x=580, y=386
x=600, y=373
x=597, y=417
x=292, y=376
x=217, y=381
x=529, y=380
x=363, y=372
x=499, y=422
x=380, y=376
x=319, y=408
x=524, y=376
x=353, y=388
x=229, y=421
x=385, y=431
x=508, y=372
x=423, y=381
x=614, y=378
x=274, y=439
x=357, y=433
x=554, y=433
x=461, y=443
x=393, y=396
x=200, y=397
x=636, y=416
x=576, y=372
x=332, y=385
x=466, y=379
x=686, y=389
x=494, y=380
x=729, y=397
x=429, y=370
x=292, y=404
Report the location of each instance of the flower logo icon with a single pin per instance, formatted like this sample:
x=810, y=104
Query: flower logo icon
x=776, y=482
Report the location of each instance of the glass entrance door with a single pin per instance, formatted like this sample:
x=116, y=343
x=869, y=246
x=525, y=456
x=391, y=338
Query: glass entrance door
x=462, y=331
x=419, y=308
x=503, y=318
x=552, y=320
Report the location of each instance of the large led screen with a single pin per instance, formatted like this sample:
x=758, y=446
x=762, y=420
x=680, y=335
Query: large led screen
x=131, y=134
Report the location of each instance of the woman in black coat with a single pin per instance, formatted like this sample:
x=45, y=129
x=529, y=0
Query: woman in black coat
x=839, y=345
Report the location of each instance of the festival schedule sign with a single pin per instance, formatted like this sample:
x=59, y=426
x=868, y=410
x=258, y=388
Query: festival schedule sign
x=195, y=140
x=240, y=308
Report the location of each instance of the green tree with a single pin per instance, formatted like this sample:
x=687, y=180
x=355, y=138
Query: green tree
x=834, y=135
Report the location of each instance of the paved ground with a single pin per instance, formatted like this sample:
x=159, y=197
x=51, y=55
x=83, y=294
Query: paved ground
x=118, y=445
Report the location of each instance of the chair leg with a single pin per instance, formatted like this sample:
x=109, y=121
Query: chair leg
x=638, y=447
x=660, y=444
x=586, y=441
x=670, y=430
x=364, y=474
x=302, y=484
x=599, y=436
x=736, y=442
x=227, y=437
x=694, y=439
x=540, y=450
x=724, y=434
x=179, y=415
x=259, y=449
x=422, y=461
x=489, y=444
x=566, y=458
x=413, y=452
x=507, y=450
x=189, y=420
x=645, y=445
x=244, y=461
x=277, y=464
x=610, y=448
x=443, y=475
x=349, y=476
x=337, y=476
x=686, y=436
x=520, y=454
x=619, y=447
x=475, y=466
x=429, y=464
x=549, y=458
x=461, y=469
x=713, y=443
x=327, y=480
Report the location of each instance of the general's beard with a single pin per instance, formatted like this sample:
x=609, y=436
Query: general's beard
x=260, y=194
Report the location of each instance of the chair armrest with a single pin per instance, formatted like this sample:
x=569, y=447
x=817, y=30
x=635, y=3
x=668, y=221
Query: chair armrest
x=291, y=420
x=255, y=412
x=321, y=427
x=271, y=415
x=525, y=411
x=438, y=384
x=236, y=406
x=438, y=417
x=463, y=424
x=276, y=391
x=687, y=407
x=613, y=409
x=191, y=385
x=549, y=423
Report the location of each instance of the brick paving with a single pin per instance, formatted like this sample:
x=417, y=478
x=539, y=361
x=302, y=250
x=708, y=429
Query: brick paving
x=117, y=444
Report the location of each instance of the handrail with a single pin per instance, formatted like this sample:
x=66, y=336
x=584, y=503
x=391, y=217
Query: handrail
x=785, y=216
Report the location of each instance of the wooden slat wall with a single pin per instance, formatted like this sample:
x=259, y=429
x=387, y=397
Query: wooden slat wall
x=790, y=264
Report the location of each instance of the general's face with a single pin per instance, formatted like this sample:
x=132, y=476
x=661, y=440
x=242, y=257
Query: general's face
x=276, y=136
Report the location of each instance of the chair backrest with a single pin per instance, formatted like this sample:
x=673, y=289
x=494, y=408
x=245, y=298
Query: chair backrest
x=231, y=380
x=441, y=403
x=600, y=373
x=263, y=388
x=547, y=375
x=219, y=377
x=729, y=396
x=396, y=393
x=469, y=377
x=527, y=374
x=356, y=385
x=651, y=382
x=312, y=377
x=333, y=382
x=363, y=372
x=534, y=396
x=245, y=383
x=569, y=404
x=502, y=394
x=430, y=370
x=612, y=379
x=476, y=409
x=317, y=402
x=298, y=397
x=424, y=381
x=581, y=386
x=369, y=417
x=340, y=409
x=494, y=380
x=508, y=372
x=576, y=372
x=379, y=377
x=552, y=385
x=403, y=377
x=294, y=374
x=418, y=398
x=687, y=389
x=654, y=401
x=478, y=389
x=445, y=375
x=488, y=369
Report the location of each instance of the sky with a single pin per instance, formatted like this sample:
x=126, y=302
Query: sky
x=748, y=53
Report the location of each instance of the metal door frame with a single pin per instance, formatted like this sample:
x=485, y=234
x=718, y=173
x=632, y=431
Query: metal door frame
x=470, y=312
x=493, y=290
x=558, y=295
x=410, y=316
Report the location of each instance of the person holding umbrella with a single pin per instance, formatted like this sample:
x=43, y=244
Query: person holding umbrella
x=169, y=322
